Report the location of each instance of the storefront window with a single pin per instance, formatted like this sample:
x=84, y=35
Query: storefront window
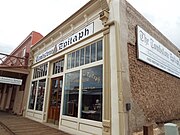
x=77, y=59
x=99, y=50
x=58, y=66
x=32, y=95
x=40, y=71
x=40, y=95
x=69, y=61
x=73, y=60
x=93, y=52
x=71, y=94
x=92, y=93
x=89, y=54
x=82, y=57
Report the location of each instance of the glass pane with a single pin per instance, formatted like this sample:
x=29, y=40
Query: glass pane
x=40, y=95
x=73, y=60
x=99, y=50
x=32, y=95
x=62, y=65
x=54, y=68
x=46, y=65
x=92, y=85
x=58, y=67
x=69, y=61
x=71, y=94
x=93, y=52
x=82, y=57
x=54, y=92
x=87, y=54
x=77, y=58
x=40, y=71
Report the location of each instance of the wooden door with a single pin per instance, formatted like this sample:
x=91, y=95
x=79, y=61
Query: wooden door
x=55, y=100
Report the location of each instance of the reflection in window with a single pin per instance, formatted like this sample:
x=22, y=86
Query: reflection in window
x=40, y=71
x=99, y=50
x=32, y=95
x=71, y=94
x=40, y=95
x=88, y=54
x=82, y=57
x=77, y=59
x=92, y=93
x=58, y=66
x=93, y=52
x=69, y=61
x=73, y=60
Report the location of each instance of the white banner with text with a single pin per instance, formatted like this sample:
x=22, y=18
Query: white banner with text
x=154, y=53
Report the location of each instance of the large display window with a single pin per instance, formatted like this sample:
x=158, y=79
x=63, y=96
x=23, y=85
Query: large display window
x=32, y=95
x=37, y=95
x=37, y=91
x=71, y=94
x=92, y=93
x=83, y=88
x=40, y=95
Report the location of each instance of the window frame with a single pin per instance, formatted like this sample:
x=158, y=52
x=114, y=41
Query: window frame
x=81, y=68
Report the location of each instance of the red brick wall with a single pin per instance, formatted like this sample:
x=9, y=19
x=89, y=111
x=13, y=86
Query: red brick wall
x=30, y=40
x=155, y=93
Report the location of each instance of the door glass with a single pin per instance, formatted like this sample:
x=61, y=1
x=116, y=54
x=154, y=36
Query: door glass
x=54, y=92
x=55, y=100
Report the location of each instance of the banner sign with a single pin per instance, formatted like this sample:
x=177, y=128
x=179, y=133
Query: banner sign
x=87, y=31
x=154, y=53
x=9, y=80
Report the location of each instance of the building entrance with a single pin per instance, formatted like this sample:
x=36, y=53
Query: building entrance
x=55, y=100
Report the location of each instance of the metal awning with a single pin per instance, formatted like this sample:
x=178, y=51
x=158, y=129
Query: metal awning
x=13, y=64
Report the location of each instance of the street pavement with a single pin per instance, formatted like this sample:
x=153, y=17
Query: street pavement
x=18, y=125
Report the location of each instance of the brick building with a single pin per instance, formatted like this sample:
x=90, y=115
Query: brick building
x=14, y=73
x=104, y=70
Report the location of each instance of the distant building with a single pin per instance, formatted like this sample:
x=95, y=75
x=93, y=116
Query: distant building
x=14, y=75
x=105, y=70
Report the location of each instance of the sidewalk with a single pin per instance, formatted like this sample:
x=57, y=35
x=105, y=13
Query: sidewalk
x=18, y=125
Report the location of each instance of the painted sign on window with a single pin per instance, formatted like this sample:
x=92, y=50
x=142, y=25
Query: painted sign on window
x=156, y=54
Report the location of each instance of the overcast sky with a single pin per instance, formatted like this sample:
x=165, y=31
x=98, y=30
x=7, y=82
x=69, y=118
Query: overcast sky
x=19, y=17
x=163, y=14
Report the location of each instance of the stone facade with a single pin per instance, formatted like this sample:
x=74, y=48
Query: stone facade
x=155, y=93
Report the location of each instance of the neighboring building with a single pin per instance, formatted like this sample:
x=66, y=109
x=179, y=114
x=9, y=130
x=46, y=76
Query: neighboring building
x=14, y=75
x=105, y=70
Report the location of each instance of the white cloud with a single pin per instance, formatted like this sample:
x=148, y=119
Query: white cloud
x=20, y=17
x=163, y=14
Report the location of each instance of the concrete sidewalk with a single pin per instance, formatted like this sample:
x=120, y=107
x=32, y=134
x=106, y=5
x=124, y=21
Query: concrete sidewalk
x=18, y=125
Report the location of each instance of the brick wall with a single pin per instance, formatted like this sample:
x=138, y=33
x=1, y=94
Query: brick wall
x=155, y=93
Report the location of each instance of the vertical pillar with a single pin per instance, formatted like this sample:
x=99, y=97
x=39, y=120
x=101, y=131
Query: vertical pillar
x=8, y=98
x=3, y=100
x=148, y=130
x=107, y=86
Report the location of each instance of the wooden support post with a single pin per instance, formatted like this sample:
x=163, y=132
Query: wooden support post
x=148, y=130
